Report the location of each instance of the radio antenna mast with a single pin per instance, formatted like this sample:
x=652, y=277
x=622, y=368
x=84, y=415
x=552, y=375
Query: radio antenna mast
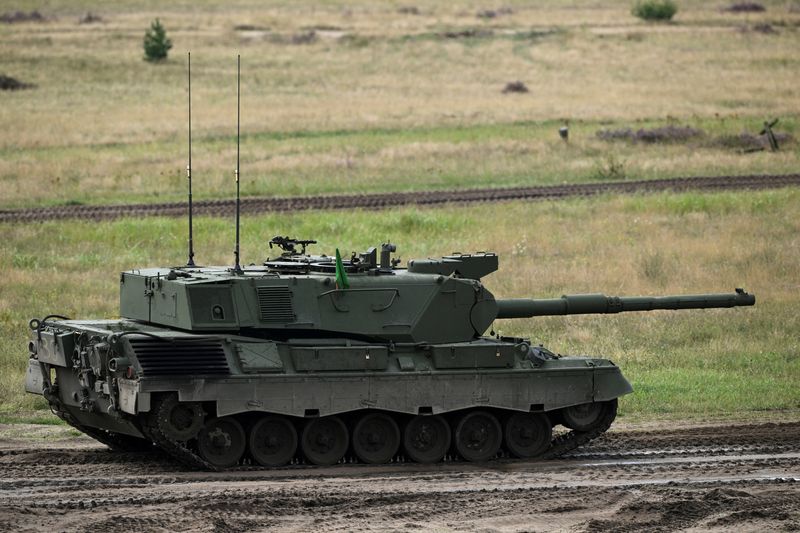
x=237, y=269
x=190, y=262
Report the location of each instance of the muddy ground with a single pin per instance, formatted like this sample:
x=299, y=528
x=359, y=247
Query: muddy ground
x=731, y=477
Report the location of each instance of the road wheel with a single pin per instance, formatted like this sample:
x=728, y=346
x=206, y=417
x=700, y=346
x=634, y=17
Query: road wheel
x=426, y=439
x=478, y=436
x=528, y=434
x=273, y=440
x=376, y=438
x=324, y=440
x=222, y=441
x=588, y=416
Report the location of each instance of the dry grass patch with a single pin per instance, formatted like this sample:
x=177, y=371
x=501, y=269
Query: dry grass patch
x=103, y=124
x=378, y=160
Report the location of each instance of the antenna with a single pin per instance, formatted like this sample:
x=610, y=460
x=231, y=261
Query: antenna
x=237, y=269
x=190, y=262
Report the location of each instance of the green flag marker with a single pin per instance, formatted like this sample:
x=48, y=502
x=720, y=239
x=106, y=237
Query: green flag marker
x=341, y=275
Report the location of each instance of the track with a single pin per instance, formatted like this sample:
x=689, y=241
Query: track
x=385, y=200
x=743, y=477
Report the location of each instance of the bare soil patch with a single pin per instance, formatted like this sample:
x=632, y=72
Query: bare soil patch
x=741, y=476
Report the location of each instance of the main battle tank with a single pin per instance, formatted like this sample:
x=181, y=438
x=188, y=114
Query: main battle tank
x=310, y=358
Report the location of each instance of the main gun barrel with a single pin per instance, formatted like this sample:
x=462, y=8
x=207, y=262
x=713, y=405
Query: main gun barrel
x=585, y=304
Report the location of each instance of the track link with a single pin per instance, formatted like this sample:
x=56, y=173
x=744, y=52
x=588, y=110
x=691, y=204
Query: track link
x=175, y=449
x=563, y=444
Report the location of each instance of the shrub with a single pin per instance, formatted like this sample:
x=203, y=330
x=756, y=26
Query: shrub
x=745, y=7
x=610, y=169
x=156, y=43
x=7, y=83
x=655, y=9
x=515, y=87
x=664, y=134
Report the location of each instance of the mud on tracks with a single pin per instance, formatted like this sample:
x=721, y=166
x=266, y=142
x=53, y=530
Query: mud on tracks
x=726, y=477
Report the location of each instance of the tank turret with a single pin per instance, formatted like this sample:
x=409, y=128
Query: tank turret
x=296, y=294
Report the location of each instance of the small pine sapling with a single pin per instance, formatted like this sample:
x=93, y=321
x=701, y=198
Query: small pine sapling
x=156, y=43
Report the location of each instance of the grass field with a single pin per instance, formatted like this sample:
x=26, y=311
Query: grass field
x=377, y=96
x=686, y=364
x=342, y=97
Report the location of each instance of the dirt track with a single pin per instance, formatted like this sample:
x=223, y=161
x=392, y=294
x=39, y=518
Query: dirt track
x=385, y=200
x=743, y=477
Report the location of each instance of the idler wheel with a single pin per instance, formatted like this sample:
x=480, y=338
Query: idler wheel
x=273, y=441
x=376, y=438
x=324, y=440
x=587, y=416
x=179, y=421
x=528, y=434
x=222, y=441
x=478, y=436
x=426, y=438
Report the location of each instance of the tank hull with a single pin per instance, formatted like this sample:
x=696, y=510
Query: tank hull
x=119, y=390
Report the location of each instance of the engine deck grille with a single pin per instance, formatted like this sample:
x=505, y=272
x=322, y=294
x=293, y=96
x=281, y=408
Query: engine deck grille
x=275, y=304
x=186, y=357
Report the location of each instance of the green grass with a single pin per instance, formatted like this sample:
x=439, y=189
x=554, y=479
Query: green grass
x=32, y=417
x=693, y=363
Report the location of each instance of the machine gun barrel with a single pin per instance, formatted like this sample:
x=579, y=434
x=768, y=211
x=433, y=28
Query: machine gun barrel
x=584, y=304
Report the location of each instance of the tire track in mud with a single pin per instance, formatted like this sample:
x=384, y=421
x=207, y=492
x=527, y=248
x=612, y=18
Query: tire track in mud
x=713, y=440
x=532, y=475
x=224, y=208
x=744, y=477
x=631, y=447
x=622, y=507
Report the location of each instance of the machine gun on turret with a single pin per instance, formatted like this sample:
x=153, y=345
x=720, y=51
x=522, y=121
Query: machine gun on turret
x=287, y=244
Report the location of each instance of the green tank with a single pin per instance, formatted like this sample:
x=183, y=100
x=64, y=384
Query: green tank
x=314, y=359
